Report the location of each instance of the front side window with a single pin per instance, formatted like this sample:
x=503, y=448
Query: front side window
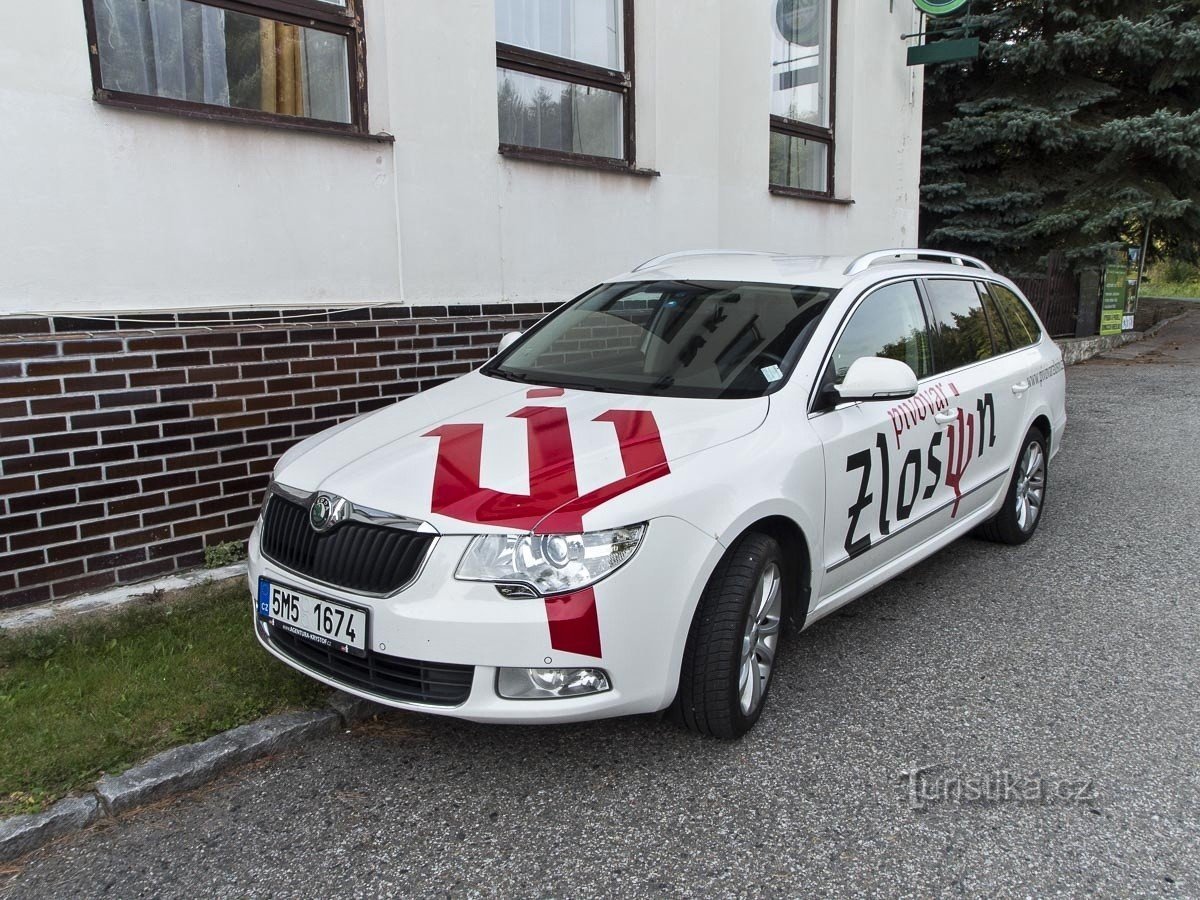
x=671, y=338
x=262, y=62
x=959, y=322
x=564, y=79
x=888, y=323
x=802, y=94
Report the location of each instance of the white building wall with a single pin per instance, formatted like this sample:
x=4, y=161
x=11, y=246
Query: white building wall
x=104, y=209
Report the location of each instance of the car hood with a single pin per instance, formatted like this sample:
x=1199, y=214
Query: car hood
x=481, y=454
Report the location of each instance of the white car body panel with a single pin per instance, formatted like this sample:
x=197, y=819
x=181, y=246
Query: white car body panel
x=482, y=455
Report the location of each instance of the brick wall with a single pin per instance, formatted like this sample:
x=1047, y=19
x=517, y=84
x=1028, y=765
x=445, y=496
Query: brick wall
x=129, y=444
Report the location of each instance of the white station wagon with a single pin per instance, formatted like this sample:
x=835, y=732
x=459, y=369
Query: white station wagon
x=625, y=508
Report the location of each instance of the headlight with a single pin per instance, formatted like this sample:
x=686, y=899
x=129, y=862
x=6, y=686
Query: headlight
x=549, y=563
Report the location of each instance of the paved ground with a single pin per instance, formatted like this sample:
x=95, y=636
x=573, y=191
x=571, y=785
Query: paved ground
x=1068, y=666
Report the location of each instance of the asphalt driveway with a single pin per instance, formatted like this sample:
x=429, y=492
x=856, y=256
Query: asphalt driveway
x=1047, y=698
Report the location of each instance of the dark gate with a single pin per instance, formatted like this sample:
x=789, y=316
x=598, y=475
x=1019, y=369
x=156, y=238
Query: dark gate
x=1054, y=295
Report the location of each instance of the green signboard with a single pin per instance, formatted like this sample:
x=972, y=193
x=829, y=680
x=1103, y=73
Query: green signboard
x=1116, y=291
x=1133, y=279
x=943, y=52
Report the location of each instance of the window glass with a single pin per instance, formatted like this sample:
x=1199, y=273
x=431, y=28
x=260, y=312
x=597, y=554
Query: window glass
x=588, y=31
x=184, y=50
x=671, y=338
x=888, y=323
x=798, y=162
x=800, y=61
x=1000, y=335
x=558, y=115
x=1021, y=323
x=960, y=323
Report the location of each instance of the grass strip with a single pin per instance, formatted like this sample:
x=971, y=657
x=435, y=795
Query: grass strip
x=103, y=693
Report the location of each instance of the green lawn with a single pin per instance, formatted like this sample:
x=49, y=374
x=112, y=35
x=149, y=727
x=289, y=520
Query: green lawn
x=103, y=693
x=1187, y=290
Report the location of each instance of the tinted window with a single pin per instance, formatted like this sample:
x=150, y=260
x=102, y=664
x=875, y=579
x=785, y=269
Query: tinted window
x=713, y=339
x=960, y=323
x=1021, y=323
x=888, y=323
x=1000, y=334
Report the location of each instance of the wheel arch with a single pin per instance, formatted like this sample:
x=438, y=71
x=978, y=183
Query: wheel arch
x=797, y=560
x=1041, y=421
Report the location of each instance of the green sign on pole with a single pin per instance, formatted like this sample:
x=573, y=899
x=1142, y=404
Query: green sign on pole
x=943, y=49
x=1116, y=291
x=939, y=7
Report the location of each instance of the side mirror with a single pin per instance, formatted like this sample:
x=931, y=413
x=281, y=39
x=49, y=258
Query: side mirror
x=877, y=378
x=508, y=340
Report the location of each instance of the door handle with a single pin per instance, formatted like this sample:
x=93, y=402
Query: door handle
x=1020, y=387
x=946, y=416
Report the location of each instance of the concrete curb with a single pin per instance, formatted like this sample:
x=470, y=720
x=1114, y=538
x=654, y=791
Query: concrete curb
x=61, y=610
x=1077, y=350
x=177, y=770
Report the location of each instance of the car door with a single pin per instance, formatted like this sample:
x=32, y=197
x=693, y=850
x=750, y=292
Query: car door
x=882, y=464
x=988, y=379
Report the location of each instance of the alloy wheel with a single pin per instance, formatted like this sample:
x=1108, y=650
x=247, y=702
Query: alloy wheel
x=1031, y=486
x=760, y=638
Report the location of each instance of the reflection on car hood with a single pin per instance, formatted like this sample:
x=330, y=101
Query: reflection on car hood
x=482, y=454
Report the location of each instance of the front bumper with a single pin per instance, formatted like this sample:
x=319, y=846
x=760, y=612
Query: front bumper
x=643, y=612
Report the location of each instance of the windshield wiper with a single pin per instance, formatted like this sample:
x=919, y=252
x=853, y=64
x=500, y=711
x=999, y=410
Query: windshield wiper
x=509, y=375
x=663, y=384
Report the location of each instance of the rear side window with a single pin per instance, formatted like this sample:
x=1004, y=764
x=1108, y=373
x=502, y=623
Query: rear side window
x=888, y=323
x=1000, y=335
x=1021, y=323
x=961, y=327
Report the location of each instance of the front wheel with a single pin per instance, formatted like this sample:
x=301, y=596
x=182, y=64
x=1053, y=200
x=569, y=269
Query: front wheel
x=730, y=653
x=1023, y=504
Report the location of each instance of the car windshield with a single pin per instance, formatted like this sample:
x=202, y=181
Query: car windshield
x=710, y=339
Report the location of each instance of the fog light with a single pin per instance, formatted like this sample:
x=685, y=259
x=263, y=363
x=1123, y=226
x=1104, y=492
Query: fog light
x=547, y=684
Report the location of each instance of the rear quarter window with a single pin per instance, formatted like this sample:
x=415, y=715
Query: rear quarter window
x=1001, y=337
x=1021, y=323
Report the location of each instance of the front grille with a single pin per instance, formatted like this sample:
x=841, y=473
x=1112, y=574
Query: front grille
x=440, y=684
x=356, y=556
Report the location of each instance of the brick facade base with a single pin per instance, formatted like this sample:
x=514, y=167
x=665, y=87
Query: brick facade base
x=128, y=444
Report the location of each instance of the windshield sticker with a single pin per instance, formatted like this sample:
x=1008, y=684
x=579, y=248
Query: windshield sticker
x=771, y=373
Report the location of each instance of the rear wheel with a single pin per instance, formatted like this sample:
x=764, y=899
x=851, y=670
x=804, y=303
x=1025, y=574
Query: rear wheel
x=730, y=653
x=1018, y=519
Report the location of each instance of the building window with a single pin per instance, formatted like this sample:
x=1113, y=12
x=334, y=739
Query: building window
x=291, y=62
x=564, y=80
x=803, y=62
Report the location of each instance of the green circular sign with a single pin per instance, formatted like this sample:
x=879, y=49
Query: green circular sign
x=939, y=7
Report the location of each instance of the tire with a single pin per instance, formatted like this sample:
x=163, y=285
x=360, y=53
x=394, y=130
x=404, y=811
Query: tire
x=1025, y=500
x=712, y=691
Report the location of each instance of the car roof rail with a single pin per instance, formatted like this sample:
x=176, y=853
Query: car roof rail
x=864, y=262
x=666, y=257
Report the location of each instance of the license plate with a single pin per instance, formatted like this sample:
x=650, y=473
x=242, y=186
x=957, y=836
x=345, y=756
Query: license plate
x=326, y=622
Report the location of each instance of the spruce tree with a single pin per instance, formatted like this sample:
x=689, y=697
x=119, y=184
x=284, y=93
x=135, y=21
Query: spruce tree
x=1079, y=123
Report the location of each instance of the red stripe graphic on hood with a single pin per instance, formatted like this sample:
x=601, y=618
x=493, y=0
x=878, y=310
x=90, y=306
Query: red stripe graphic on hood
x=553, y=494
x=553, y=487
